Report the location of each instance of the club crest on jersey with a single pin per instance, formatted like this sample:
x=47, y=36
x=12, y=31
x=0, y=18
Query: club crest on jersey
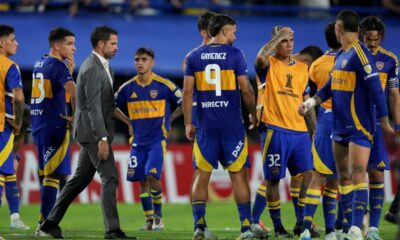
x=380, y=65
x=344, y=63
x=131, y=172
x=153, y=94
x=368, y=69
x=289, y=78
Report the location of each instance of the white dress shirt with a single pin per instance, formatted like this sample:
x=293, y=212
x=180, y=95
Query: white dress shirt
x=105, y=64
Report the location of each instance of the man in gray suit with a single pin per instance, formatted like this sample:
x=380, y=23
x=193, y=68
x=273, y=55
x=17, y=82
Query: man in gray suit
x=94, y=129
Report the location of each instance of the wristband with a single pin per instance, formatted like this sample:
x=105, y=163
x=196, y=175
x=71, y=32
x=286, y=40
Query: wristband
x=308, y=104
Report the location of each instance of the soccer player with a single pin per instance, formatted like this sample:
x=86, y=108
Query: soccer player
x=11, y=103
x=324, y=165
x=307, y=55
x=355, y=87
x=287, y=141
x=11, y=185
x=148, y=98
x=52, y=88
x=217, y=71
x=372, y=34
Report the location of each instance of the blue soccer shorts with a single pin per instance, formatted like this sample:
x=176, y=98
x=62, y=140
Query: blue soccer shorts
x=379, y=158
x=226, y=146
x=357, y=137
x=6, y=153
x=286, y=150
x=52, y=144
x=322, y=150
x=146, y=160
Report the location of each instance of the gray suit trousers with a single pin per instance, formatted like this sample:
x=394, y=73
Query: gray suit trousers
x=88, y=164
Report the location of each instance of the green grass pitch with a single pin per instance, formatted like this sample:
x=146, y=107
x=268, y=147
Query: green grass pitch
x=86, y=222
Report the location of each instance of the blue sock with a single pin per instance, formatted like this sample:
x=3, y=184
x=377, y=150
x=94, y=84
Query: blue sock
x=329, y=206
x=259, y=203
x=147, y=206
x=157, y=201
x=12, y=193
x=2, y=179
x=340, y=215
x=244, y=216
x=360, y=201
x=346, y=199
x=300, y=211
x=312, y=201
x=376, y=198
x=294, y=194
x=275, y=213
x=199, y=212
x=48, y=197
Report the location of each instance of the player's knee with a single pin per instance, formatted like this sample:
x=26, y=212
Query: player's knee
x=274, y=183
x=152, y=180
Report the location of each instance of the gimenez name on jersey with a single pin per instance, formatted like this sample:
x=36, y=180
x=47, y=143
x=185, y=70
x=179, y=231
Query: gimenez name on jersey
x=214, y=56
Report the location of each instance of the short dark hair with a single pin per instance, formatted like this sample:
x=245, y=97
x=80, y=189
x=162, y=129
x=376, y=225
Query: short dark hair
x=145, y=50
x=6, y=30
x=313, y=51
x=218, y=21
x=204, y=20
x=101, y=33
x=372, y=23
x=330, y=36
x=58, y=34
x=350, y=19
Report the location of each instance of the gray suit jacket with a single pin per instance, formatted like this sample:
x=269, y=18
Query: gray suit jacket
x=95, y=103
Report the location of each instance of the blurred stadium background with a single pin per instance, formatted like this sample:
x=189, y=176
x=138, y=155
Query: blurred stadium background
x=170, y=28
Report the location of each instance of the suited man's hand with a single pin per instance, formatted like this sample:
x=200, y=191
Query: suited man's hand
x=103, y=150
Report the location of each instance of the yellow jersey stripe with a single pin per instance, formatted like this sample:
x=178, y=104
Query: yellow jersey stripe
x=357, y=122
x=267, y=142
x=58, y=157
x=169, y=84
x=237, y=165
x=361, y=54
x=6, y=151
x=390, y=54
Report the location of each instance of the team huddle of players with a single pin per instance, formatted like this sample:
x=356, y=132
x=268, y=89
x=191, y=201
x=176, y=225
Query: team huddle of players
x=333, y=151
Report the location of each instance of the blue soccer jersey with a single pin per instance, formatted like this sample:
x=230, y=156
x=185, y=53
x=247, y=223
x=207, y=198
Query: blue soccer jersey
x=49, y=98
x=149, y=107
x=215, y=68
x=354, y=87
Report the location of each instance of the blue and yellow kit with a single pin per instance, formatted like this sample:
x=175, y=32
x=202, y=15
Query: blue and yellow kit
x=49, y=100
x=149, y=109
x=388, y=67
x=10, y=78
x=322, y=151
x=220, y=134
x=354, y=87
x=287, y=143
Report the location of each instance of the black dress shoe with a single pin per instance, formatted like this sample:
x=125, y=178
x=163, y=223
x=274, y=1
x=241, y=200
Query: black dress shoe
x=117, y=234
x=52, y=229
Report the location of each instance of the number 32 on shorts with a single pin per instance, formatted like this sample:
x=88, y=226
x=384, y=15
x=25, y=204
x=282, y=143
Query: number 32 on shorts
x=274, y=160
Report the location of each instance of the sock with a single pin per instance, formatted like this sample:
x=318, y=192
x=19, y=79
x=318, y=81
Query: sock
x=157, y=201
x=259, y=203
x=12, y=193
x=294, y=194
x=346, y=199
x=199, y=212
x=312, y=201
x=48, y=197
x=360, y=201
x=275, y=213
x=376, y=197
x=329, y=206
x=2, y=180
x=147, y=206
x=301, y=211
x=244, y=216
x=340, y=215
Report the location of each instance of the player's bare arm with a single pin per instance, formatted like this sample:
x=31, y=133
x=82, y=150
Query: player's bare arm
x=187, y=102
x=18, y=103
x=178, y=112
x=71, y=89
x=310, y=116
x=118, y=114
x=269, y=47
x=248, y=98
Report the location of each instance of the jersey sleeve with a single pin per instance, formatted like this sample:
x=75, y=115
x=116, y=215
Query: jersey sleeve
x=307, y=90
x=368, y=72
x=63, y=75
x=241, y=66
x=326, y=91
x=261, y=73
x=188, y=70
x=13, y=77
x=393, y=75
x=120, y=97
x=176, y=96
